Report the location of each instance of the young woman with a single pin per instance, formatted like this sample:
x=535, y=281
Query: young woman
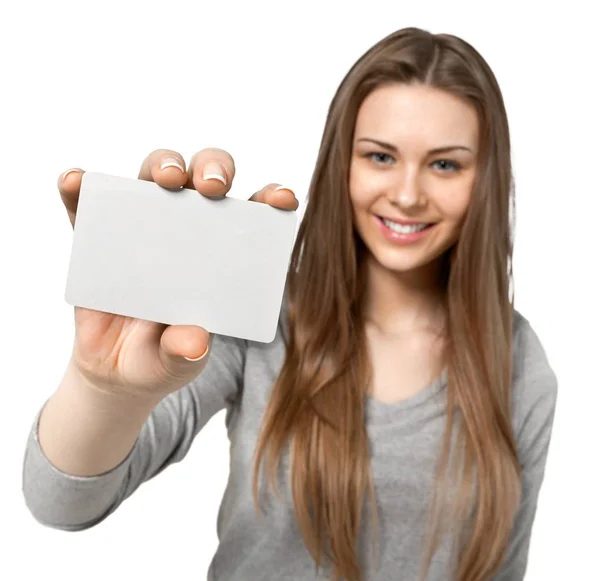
x=404, y=411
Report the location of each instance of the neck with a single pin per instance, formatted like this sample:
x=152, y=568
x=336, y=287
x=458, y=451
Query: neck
x=403, y=302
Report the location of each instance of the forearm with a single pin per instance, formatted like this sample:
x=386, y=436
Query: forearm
x=86, y=432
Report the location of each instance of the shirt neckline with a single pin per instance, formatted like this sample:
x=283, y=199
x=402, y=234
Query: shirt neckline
x=378, y=411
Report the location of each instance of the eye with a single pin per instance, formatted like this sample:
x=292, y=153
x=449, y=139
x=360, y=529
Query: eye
x=379, y=157
x=449, y=166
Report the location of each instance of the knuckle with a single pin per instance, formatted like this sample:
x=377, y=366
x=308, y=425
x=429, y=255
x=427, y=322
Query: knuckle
x=218, y=151
x=156, y=153
x=220, y=154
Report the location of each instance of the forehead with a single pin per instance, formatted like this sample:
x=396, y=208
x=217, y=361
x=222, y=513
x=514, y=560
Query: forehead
x=416, y=115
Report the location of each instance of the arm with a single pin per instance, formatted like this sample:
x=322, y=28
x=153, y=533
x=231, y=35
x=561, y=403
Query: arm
x=535, y=395
x=141, y=443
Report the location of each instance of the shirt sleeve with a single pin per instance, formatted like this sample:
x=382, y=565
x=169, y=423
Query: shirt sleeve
x=67, y=502
x=534, y=405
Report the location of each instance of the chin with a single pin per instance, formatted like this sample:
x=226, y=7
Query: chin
x=401, y=261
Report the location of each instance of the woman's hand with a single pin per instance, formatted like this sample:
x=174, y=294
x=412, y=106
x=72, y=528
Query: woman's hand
x=132, y=357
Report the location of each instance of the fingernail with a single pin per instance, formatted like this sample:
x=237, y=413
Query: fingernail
x=201, y=356
x=283, y=188
x=172, y=162
x=65, y=174
x=214, y=171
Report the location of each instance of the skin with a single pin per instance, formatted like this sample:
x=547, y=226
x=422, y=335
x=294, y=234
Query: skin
x=177, y=341
x=405, y=181
x=121, y=368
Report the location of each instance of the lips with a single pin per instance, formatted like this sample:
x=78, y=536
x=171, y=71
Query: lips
x=399, y=233
x=402, y=222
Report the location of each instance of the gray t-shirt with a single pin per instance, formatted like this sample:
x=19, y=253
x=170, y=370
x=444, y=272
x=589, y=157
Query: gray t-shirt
x=404, y=437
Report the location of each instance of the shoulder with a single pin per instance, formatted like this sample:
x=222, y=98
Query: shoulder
x=532, y=371
x=529, y=354
x=534, y=387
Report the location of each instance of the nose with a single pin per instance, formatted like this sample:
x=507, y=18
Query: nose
x=408, y=195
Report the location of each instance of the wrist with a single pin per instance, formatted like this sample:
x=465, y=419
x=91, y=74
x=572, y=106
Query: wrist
x=105, y=397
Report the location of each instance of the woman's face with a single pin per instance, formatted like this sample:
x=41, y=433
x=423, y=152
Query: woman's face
x=408, y=200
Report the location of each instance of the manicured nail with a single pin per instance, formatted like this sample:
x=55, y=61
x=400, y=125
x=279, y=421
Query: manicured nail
x=201, y=356
x=65, y=174
x=214, y=171
x=172, y=162
x=283, y=188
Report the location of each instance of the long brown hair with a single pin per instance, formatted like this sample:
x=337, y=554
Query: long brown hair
x=317, y=404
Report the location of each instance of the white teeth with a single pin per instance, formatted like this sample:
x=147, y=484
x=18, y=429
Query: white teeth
x=401, y=229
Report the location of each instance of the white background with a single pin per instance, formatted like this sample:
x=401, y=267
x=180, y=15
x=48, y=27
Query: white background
x=99, y=85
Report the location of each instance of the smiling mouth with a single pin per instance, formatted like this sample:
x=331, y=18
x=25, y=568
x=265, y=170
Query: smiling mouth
x=406, y=228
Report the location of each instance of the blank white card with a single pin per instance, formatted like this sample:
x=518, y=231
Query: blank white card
x=178, y=257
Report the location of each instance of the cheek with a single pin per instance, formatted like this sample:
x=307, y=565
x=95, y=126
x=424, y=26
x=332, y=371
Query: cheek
x=454, y=211
x=358, y=196
x=364, y=188
x=453, y=204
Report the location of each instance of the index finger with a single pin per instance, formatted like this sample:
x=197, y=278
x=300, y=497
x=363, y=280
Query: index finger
x=165, y=167
x=211, y=172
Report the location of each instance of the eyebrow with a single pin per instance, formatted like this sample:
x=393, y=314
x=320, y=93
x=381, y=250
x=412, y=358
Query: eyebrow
x=393, y=148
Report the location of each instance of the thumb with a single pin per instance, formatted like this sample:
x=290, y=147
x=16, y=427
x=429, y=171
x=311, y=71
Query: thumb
x=183, y=347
